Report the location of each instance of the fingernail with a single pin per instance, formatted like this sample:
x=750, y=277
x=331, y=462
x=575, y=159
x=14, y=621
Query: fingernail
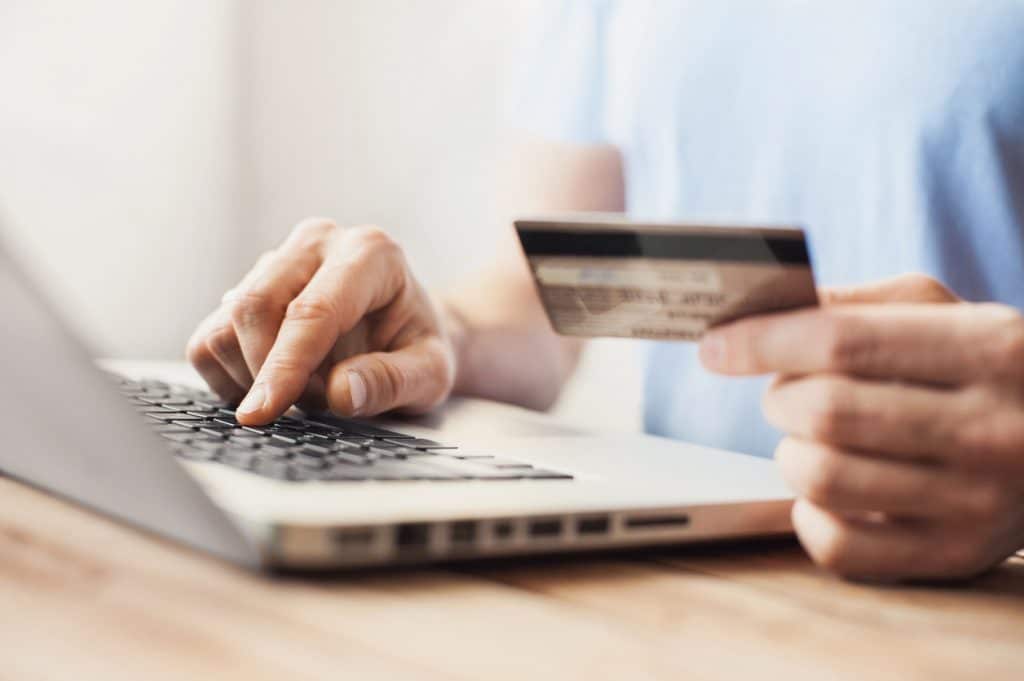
x=356, y=391
x=253, y=401
x=712, y=350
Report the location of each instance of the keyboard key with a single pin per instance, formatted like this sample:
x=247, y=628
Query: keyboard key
x=178, y=437
x=314, y=450
x=418, y=443
x=192, y=423
x=171, y=428
x=345, y=457
x=244, y=442
x=207, y=443
x=272, y=468
x=156, y=409
x=176, y=402
x=353, y=428
x=167, y=417
x=214, y=432
x=358, y=441
x=307, y=461
x=191, y=454
x=238, y=458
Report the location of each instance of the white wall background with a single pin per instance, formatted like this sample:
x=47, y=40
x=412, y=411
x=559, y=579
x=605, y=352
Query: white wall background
x=148, y=151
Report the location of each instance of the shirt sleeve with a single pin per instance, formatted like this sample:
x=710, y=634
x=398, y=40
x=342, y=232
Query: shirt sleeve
x=557, y=78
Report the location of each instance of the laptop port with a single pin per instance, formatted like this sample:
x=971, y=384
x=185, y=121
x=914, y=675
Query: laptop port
x=654, y=521
x=413, y=536
x=545, y=528
x=463, y=532
x=592, y=526
x=352, y=538
x=503, y=529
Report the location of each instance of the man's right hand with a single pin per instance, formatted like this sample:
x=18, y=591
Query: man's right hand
x=332, y=316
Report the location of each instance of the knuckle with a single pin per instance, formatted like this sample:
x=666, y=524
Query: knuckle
x=823, y=480
x=375, y=242
x=991, y=440
x=928, y=287
x=311, y=308
x=844, y=342
x=222, y=342
x=196, y=352
x=1006, y=346
x=252, y=307
x=313, y=230
x=830, y=410
x=985, y=501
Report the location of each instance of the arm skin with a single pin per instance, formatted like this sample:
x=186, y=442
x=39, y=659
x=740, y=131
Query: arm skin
x=503, y=342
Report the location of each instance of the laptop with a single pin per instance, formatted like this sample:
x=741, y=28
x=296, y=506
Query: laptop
x=315, y=492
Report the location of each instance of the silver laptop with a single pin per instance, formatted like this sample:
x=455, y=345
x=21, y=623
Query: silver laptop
x=315, y=492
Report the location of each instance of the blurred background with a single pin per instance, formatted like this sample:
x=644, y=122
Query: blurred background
x=150, y=151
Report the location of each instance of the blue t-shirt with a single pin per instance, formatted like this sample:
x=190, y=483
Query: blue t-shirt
x=892, y=131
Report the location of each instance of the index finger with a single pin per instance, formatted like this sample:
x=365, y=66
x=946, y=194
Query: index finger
x=356, y=277
x=923, y=343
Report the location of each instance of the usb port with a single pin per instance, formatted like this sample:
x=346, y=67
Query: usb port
x=592, y=525
x=545, y=528
x=463, y=532
x=413, y=535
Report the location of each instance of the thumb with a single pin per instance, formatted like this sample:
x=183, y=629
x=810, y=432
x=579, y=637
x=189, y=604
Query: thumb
x=416, y=378
x=905, y=288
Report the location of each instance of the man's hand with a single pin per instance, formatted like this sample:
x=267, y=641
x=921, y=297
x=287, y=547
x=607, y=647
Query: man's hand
x=333, y=315
x=904, y=414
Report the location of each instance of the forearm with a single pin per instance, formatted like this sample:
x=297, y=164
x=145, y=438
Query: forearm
x=504, y=347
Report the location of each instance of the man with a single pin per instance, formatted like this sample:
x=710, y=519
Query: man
x=893, y=131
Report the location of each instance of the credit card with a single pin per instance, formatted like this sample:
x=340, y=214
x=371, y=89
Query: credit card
x=610, y=277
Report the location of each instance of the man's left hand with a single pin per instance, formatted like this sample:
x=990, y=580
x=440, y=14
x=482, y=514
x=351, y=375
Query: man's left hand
x=904, y=414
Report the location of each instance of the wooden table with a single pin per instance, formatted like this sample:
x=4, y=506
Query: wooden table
x=82, y=597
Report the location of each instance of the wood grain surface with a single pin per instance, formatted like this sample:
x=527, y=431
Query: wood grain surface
x=82, y=597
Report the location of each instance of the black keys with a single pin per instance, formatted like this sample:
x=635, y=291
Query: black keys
x=201, y=413
x=272, y=468
x=314, y=450
x=178, y=437
x=346, y=457
x=168, y=417
x=187, y=452
x=417, y=443
x=348, y=427
x=239, y=458
x=308, y=461
x=200, y=427
x=171, y=428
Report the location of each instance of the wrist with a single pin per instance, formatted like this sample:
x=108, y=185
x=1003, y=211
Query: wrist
x=455, y=330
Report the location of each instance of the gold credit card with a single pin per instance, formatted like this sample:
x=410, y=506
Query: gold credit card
x=606, y=277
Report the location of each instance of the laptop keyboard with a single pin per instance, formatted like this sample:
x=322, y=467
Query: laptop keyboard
x=201, y=427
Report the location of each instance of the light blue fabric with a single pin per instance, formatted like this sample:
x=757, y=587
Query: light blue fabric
x=893, y=131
